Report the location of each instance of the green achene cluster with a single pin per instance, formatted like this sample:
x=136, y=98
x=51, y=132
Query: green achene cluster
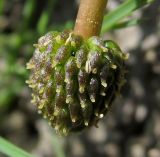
x=73, y=80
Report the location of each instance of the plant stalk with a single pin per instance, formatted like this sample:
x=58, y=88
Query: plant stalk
x=89, y=18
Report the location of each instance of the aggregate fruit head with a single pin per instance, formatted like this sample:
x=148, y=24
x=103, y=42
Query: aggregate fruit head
x=75, y=80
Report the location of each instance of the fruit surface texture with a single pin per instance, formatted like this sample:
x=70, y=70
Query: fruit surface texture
x=74, y=81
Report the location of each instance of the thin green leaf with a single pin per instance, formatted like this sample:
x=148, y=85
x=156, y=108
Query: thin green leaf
x=45, y=16
x=1, y=6
x=28, y=10
x=43, y=22
x=128, y=23
x=61, y=27
x=122, y=11
x=5, y=98
x=11, y=150
x=58, y=150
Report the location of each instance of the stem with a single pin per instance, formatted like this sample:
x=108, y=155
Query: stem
x=89, y=18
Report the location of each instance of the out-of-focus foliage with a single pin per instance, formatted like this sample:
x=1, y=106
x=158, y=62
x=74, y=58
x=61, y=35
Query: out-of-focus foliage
x=126, y=8
x=16, y=44
x=11, y=150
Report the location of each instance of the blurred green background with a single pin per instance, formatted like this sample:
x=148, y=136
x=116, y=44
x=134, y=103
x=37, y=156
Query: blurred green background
x=131, y=129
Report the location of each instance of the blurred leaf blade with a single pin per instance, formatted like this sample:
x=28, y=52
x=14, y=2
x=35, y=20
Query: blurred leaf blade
x=11, y=150
x=123, y=10
x=27, y=12
x=43, y=22
x=1, y=6
x=5, y=98
x=45, y=17
x=60, y=27
x=57, y=146
x=127, y=23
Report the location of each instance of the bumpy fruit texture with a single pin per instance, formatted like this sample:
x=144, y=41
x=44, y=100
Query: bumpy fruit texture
x=74, y=81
